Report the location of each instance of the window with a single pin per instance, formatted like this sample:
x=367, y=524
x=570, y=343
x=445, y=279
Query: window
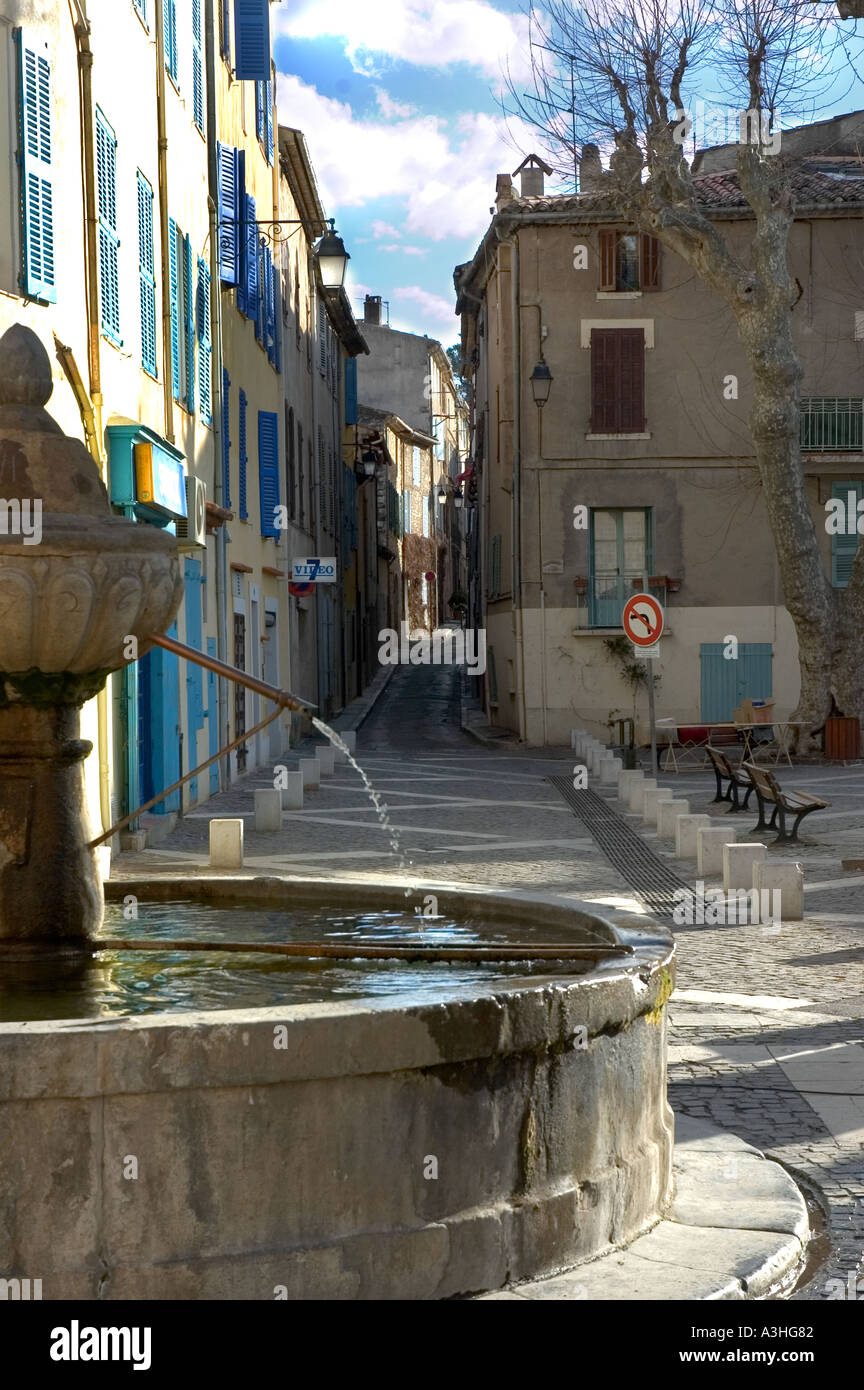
x=243, y=459
x=205, y=348
x=226, y=438
x=406, y=512
x=264, y=116
x=252, y=40
x=109, y=242
x=628, y=261
x=141, y=7
x=351, y=407
x=183, y=326
x=229, y=198
x=843, y=545
x=170, y=22
x=146, y=275
x=290, y=464
x=37, y=174
x=617, y=380
x=269, y=312
x=248, y=293
x=425, y=516
x=301, y=478
x=620, y=551
x=416, y=466
x=268, y=470
x=322, y=338
x=225, y=30
x=197, y=67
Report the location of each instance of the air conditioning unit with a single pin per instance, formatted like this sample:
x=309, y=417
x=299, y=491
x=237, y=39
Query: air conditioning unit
x=192, y=529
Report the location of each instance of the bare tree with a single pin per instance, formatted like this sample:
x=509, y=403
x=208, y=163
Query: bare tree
x=616, y=74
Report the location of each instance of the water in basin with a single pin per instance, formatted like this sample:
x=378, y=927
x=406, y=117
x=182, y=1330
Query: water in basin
x=119, y=984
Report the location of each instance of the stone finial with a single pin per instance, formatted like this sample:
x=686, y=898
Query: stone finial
x=590, y=169
x=25, y=368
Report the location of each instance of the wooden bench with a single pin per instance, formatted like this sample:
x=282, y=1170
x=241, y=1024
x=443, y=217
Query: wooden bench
x=769, y=793
x=724, y=771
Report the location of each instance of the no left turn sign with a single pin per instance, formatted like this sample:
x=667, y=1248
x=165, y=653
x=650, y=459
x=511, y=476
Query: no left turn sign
x=642, y=620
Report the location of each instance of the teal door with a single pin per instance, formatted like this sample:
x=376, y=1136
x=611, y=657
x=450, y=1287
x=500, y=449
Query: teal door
x=726, y=682
x=194, y=673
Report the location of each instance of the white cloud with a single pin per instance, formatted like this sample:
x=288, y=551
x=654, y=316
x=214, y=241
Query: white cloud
x=390, y=108
x=433, y=306
x=429, y=33
x=382, y=229
x=406, y=250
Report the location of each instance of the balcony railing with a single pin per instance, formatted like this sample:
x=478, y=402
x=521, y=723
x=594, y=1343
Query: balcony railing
x=832, y=424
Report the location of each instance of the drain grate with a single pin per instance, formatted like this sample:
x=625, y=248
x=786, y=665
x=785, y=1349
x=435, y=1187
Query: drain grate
x=647, y=874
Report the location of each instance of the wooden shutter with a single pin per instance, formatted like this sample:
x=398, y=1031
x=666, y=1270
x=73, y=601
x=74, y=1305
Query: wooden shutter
x=170, y=20
x=617, y=380
x=205, y=347
x=649, y=263
x=252, y=40
x=229, y=214
x=251, y=307
x=37, y=176
x=351, y=415
x=608, y=248
x=226, y=438
x=243, y=460
x=189, y=319
x=146, y=275
x=174, y=286
x=197, y=67
x=109, y=242
x=268, y=470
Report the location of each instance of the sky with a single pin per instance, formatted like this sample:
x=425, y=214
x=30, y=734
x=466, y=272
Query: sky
x=399, y=101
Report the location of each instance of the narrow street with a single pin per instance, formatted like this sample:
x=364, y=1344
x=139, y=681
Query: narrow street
x=767, y=1031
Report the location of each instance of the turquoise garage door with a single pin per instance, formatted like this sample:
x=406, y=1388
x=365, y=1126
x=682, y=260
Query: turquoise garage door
x=726, y=682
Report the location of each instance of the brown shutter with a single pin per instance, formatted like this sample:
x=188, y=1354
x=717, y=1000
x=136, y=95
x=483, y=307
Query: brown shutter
x=649, y=263
x=608, y=247
x=617, y=380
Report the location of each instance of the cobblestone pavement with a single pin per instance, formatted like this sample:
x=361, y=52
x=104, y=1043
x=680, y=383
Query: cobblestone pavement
x=766, y=1030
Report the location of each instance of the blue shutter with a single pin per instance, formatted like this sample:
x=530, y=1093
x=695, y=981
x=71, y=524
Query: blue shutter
x=229, y=214
x=242, y=237
x=243, y=458
x=268, y=470
x=261, y=285
x=174, y=285
x=189, y=312
x=843, y=547
x=252, y=40
x=269, y=298
x=109, y=242
x=205, y=349
x=37, y=175
x=226, y=29
x=141, y=7
x=226, y=438
x=351, y=414
x=259, y=111
x=268, y=119
x=171, y=37
x=147, y=274
x=197, y=67
x=250, y=306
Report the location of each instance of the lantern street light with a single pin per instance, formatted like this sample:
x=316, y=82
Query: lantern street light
x=332, y=259
x=458, y=498
x=442, y=492
x=541, y=380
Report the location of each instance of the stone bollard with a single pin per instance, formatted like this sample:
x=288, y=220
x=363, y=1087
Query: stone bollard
x=669, y=813
x=651, y=803
x=324, y=754
x=787, y=881
x=626, y=776
x=738, y=863
x=636, y=792
x=226, y=844
x=709, y=848
x=598, y=753
x=575, y=735
x=686, y=829
x=310, y=771
x=268, y=809
x=292, y=792
x=610, y=767
x=349, y=738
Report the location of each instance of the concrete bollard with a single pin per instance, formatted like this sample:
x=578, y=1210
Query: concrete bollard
x=226, y=844
x=310, y=771
x=669, y=813
x=651, y=802
x=609, y=770
x=636, y=792
x=292, y=792
x=709, y=848
x=787, y=881
x=324, y=754
x=575, y=735
x=597, y=755
x=738, y=863
x=625, y=777
x=686, y=828
x=268, y=809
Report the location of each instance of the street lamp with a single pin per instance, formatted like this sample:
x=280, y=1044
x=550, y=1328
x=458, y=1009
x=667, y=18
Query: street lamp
x=366, y=465
x=332, y=259
x=458, y=498
x=442, y=492
x=541, y=380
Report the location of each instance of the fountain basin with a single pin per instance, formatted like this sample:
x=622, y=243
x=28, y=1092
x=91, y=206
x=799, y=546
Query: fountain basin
x=380, y=1148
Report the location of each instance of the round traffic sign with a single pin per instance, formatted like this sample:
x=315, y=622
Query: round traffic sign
x=643, y=620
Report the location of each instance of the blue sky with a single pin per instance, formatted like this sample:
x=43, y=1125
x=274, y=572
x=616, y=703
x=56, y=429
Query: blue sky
x=398, y=100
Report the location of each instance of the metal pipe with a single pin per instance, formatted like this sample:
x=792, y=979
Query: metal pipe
x=91, y=218
x=283, y=698
x=319, y=950
x=164, y=228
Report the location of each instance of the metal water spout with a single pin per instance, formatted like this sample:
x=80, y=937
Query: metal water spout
x=76, y=582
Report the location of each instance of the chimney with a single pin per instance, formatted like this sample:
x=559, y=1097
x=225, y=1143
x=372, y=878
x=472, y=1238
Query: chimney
x=503, y=191
x=590, y=170
x=372, y=309
x=532, y=173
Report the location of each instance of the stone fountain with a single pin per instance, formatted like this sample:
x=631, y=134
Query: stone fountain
x=68, y=603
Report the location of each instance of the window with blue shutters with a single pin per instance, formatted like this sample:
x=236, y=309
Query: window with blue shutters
x=268, y=470
x=225, y=29
x=243, y=460
x=141, y=7
x=226, y=438
x=197, y=67
x=264, y=116
x=174, y=239
x=252, y=40
x=189, y=316
x=843, y=546
x=35, y=159
x=146, y=274
x=205, y=349
x=170, y=26
x=260, y=302
x=228, y=165
x=351, y=412
x=109, y=242
x=248, y=299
